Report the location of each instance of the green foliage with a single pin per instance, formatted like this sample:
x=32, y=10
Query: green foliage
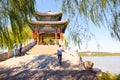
x=108, y=76
x=105, y=76
x=26, y=34
x=47, y=39
x=103, y=13
x=18, y=13
x=117, y=77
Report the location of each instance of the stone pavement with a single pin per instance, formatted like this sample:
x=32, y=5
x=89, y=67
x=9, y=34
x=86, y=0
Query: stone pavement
x=39, y=65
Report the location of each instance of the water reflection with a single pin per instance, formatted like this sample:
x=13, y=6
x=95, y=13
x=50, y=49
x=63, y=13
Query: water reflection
x=106, y=63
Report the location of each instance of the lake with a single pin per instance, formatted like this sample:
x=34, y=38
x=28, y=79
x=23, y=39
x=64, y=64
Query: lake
x=3, y=50
x=105, y=63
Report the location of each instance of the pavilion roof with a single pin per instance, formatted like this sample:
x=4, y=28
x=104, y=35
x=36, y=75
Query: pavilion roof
x=50, y=23
x=49, y=13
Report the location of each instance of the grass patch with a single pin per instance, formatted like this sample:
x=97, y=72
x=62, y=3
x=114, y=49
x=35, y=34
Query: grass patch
x=98, y=54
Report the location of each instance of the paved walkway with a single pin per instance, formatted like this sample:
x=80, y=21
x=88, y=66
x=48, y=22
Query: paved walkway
x=40, y=64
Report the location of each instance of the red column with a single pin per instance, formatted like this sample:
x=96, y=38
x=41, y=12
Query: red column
x=56, y=36
x=33, y=34
x=38, y=37
x=61, y=34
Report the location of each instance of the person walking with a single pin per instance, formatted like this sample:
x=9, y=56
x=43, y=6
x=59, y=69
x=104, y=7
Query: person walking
x=20, y=50
x=59, y=54
x=15, y=49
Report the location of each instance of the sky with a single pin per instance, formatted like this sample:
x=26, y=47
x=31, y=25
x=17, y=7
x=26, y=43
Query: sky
x=103, y=38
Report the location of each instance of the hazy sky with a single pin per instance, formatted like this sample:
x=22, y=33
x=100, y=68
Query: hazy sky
x=107, y=44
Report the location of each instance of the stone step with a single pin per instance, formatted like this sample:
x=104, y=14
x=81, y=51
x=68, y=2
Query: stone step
x=43, y=49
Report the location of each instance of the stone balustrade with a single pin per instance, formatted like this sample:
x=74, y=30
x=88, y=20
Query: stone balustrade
x=9, y=54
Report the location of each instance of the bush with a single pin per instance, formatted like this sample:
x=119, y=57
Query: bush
x=117, y=77
x=105, y=76
x=108, y=76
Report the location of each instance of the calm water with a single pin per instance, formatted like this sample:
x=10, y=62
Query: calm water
x=106, y=63
x=3, y=50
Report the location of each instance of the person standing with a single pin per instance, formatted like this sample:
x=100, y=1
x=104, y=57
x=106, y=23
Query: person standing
x=15, y=49
x=20, y=49
x=59, y=54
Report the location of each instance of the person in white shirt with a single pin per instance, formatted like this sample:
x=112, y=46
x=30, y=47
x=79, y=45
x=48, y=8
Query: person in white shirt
x=15, y=49
x=59, y=54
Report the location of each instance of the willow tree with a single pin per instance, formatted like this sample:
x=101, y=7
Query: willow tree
x=102, y=13
x=15, y=13
x=18, y=12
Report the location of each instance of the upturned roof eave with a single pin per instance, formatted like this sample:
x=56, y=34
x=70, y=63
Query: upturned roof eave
x=49, y=13
x=51, y=23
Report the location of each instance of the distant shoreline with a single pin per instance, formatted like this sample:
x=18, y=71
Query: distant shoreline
x=98, y=54
x=89, y=54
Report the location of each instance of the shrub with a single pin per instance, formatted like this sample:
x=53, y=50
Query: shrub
x=108, y=76
x=105, y=76
x=117, y=77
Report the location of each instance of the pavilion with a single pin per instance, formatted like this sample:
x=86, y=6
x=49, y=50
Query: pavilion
x=48, y=25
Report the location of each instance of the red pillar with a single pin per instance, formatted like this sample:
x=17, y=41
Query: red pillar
x=38, y=37
x=61, y=34
x=33, y=34
x=56, y=36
